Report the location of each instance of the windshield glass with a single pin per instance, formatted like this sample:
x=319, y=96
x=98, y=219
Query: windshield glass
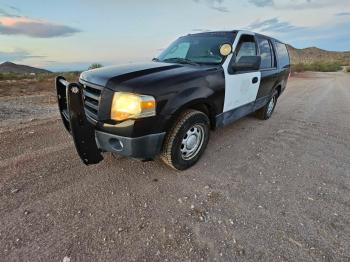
x=200, y=49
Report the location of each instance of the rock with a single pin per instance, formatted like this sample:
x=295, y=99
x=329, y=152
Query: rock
x=14, y=191
x=66, y=259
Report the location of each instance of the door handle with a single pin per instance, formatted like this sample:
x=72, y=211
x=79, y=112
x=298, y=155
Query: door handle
x=255, y=80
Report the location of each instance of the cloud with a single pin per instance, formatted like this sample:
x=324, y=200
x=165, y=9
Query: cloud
x=20, y=25
x=17, y=55
x=298, y=4
x=3, y=12
x=261, y=3
x=214, y=4
x=14, y=8
x=343, y=14
x=272, y=25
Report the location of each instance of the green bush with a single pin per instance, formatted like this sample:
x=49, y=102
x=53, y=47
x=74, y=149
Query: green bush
x=321, y=66
x=94, y=66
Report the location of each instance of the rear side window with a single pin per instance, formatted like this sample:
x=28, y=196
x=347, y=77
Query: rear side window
x=266, y=53
x=282, y=54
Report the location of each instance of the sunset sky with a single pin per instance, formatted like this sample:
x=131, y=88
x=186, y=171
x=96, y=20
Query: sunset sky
x=71, y=34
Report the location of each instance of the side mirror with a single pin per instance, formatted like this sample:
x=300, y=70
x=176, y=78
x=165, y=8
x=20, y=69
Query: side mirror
x=247, y=63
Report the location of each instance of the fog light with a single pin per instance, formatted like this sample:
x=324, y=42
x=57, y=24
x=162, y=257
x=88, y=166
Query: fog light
x=116, y=144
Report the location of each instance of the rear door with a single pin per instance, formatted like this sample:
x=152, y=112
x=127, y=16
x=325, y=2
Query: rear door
x=283, y=62
x=268, y=67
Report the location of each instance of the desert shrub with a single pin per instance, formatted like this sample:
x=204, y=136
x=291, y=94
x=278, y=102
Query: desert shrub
x=43, y=77
x=94, y=66
x=320, y=66
x=71, y=76
x=14, y=76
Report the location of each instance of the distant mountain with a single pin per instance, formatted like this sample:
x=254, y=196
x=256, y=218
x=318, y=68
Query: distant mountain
x=304, y=55
x=314, y=54
x=9, y=67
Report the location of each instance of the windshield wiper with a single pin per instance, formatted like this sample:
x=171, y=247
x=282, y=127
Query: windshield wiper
x=155, y=59
x=180, y=60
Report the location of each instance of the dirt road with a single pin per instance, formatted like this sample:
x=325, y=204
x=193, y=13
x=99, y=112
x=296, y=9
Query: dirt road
x=276, y=190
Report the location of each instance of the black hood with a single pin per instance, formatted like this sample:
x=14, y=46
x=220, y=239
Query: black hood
x=139, y=76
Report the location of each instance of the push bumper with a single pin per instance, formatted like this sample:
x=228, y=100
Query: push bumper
x=90, y=142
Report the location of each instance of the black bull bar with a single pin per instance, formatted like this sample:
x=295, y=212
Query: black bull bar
x=71, y=107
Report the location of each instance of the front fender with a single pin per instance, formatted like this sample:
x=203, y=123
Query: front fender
x=192, y=98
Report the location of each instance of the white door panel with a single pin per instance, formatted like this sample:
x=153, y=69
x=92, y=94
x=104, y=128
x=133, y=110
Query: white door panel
x=239, y=88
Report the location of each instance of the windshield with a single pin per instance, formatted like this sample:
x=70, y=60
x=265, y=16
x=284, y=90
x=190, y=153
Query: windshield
x=198, y=49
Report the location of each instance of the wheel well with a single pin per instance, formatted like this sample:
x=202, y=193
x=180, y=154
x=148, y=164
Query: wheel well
x=205, y=108
x=202, y=107
x=279, y=89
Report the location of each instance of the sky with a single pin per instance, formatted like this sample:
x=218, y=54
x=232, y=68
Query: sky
x=72, y=34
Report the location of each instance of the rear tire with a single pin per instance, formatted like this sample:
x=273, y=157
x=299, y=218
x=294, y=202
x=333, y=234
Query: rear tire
x=186, y=141
x=266, y=112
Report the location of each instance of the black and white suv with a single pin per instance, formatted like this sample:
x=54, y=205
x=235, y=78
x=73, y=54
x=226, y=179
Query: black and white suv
x=168, y=106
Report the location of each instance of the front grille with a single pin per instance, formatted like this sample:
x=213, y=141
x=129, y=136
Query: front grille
x=92, y=95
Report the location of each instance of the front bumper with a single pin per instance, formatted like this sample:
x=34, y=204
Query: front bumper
x=88, y=140
x=145, y=147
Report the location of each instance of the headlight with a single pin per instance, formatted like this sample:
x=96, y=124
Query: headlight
x=128, y=105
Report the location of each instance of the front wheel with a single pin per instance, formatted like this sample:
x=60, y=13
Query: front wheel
x=266, y=112
x=187, y=140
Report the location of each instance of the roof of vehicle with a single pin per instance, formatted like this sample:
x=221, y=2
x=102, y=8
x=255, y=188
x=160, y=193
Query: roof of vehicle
x=235, y=33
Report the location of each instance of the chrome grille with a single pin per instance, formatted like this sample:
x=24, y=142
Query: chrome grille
x=92, y=95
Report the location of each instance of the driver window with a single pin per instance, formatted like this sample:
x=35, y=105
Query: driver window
x=246, y=47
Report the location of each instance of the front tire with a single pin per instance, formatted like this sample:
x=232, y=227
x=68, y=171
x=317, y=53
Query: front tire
x=266, y=112
x=186, y=140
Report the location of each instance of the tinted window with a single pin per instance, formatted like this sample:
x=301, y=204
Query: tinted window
x=266, y=53
x=282, y=54
x=246, y=47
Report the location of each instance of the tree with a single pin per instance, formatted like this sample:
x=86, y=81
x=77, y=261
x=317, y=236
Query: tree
x=94, y=66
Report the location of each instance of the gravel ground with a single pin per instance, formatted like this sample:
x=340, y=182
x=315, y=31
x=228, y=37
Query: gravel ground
x=276, y=190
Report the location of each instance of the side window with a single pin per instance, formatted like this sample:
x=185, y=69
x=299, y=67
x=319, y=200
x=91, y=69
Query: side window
x=179, y=51
x=282, y=54
x=266, y=53
x=246, y=47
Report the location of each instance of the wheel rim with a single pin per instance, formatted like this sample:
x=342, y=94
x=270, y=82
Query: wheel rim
x=192, y=142
x=271, y=105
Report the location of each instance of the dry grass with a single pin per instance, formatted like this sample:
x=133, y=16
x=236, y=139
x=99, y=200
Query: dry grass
x=70, y=76
x=322, y=66
x=18, y=85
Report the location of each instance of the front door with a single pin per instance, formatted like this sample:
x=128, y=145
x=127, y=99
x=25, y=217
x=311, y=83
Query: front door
x=241, y=88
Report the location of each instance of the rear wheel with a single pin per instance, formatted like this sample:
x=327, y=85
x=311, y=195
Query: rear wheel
x=267, y=111
x=187, y=140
